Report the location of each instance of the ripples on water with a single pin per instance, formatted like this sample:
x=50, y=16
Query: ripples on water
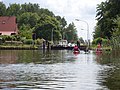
x=53, y=70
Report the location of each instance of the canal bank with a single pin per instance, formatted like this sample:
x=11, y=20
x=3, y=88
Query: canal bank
x=40, y=47
x=25, y=47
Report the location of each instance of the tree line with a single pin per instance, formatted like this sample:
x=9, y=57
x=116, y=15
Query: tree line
x=108, y=19
x=31, y=18
x=108, y=22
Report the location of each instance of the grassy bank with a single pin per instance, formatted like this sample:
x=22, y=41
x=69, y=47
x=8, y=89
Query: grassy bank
x=18, y=47
x=105, y=48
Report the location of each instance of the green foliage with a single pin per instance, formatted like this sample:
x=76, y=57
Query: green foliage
x=115, y=42
x=33, y=8
x=116, y=31
x=45, y=12
x=28, y=41
x=98, y=32
x=10, y=38
x=38, y=41
x=2, y=9
x=62, y=21
x=29, y=19
x=26, y=31
x=105, y=42
x=47, y=25
x=18, y=37
x=33, y=19
x=3, y=37
x=13, y=10
x=70, y=33
x=106, y=13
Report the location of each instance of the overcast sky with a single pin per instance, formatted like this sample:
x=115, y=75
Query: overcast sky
x=84, y=10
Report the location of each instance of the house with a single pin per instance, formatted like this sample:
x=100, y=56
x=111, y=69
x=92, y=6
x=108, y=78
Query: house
x=8, y=25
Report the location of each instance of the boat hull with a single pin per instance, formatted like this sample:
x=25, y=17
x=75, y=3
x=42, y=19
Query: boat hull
x=76, y=52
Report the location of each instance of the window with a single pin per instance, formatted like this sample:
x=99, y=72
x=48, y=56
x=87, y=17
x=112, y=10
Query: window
x=13, y=33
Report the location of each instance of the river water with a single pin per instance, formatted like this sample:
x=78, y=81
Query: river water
x=52, y=70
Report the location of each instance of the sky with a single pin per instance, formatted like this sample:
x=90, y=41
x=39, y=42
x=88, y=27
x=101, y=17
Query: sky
x=84, y=10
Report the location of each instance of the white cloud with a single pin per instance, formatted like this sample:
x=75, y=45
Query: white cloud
x=70, y=9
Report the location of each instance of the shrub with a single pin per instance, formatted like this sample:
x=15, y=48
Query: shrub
x=103, y=41
x=9, y=38
x=28, y=41
x=38, y=41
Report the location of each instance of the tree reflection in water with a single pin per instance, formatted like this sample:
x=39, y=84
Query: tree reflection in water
x=34, y=56
x=111, y=76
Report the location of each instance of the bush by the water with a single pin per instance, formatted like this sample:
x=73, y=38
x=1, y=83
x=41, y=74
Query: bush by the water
x=28, y=41
x=104, y=42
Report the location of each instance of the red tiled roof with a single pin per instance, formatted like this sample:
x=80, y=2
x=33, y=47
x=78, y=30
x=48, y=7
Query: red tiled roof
x=8, y=23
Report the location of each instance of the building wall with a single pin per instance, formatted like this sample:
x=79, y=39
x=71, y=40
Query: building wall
x=8, y=25
x=7, y=32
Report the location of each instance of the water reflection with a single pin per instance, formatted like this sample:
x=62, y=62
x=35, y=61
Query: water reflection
x=52, y=70
x=35, y=56
x=110, y=75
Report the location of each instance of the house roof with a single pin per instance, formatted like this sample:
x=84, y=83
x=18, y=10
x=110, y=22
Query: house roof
x=8, y=23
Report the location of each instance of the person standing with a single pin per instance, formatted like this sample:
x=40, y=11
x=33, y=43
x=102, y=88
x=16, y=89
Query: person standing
x=76, y=48
x=43, y=45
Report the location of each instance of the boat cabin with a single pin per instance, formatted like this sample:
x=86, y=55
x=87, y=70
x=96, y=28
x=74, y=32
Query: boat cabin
x=63, y=43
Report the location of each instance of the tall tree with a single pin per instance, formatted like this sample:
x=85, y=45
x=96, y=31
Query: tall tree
x=25, y=31
x=116, y=31
x=106, y=12
x=28, y=18
x=70, y=33
x=63, y=23
x=31, y=17
x=2, y=9
x=29, y=8
x=13, y=10
x=47, y=26
x=46, y=12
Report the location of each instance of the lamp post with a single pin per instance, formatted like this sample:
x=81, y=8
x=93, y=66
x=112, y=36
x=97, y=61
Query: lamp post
x=87, y=29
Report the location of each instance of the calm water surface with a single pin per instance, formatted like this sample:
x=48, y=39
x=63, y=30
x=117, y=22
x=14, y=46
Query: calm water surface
x=51, y=70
